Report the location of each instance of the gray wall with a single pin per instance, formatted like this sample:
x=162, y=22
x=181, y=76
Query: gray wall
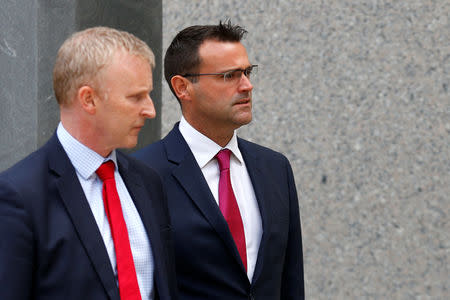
x=356, y=94
x=31, y=33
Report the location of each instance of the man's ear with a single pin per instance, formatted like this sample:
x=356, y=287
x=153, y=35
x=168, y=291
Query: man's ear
x=87, y=98
x=182, y=87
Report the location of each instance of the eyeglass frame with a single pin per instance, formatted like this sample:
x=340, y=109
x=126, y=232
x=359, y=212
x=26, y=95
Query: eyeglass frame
x=247, y=72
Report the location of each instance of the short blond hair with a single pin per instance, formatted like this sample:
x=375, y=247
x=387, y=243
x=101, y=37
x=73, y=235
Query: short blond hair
x=86, y=52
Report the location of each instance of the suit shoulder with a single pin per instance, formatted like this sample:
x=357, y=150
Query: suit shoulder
x=148, y=152
x=262, y=151
x=135, y=165
x=154, y=156
x=28, y=168
x=25, y=184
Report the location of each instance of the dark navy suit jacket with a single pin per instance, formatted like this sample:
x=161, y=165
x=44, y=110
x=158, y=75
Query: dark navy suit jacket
x=207, y=261
x=50, y=245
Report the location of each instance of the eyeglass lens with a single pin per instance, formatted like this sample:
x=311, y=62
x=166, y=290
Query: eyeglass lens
x=236, y=74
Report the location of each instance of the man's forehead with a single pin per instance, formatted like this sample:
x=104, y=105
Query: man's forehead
x=215, y=52
x=215, y=43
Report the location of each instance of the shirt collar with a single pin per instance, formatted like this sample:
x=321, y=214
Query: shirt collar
x=85, y=160
x=203, y=148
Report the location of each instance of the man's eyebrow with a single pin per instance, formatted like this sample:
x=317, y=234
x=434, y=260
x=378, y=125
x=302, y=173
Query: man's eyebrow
x=237, y=69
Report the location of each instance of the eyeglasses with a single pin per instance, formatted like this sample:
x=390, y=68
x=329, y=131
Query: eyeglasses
x=229, y=76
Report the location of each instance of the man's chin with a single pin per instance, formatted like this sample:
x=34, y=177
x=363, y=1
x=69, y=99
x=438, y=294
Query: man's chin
x=244, y=119
x=131, y=143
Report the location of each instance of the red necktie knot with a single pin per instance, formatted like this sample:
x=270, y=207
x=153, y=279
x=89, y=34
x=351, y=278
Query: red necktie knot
x=223, y=158
x=106, y=170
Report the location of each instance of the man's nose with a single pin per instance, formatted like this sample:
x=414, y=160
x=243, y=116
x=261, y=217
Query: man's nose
x=149, y=111
x=245, y=83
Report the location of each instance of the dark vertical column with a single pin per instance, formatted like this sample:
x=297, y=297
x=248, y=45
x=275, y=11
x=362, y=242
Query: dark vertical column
x=31, y=33
x=55, y=23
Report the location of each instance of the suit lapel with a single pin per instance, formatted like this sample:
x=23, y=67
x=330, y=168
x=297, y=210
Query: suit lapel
x=259, y=185
x=80, y=213
x=190, y=177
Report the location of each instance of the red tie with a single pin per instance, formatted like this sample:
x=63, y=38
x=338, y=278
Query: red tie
x=126, y=273
x=228, y=205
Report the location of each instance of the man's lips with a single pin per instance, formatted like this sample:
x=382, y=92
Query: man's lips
x=138, y=128
x=243, y=101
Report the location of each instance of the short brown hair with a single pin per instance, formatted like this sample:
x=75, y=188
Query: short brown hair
x=86, y=52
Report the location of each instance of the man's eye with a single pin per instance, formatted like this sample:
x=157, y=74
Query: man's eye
x=228, y=75
x=237, y=73
x=138, y=97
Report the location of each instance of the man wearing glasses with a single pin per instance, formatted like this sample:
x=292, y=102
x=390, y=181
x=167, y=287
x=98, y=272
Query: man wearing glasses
x=233, y=204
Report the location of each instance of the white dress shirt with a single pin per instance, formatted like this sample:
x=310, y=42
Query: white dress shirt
x=86, y=162
x=205, y=150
